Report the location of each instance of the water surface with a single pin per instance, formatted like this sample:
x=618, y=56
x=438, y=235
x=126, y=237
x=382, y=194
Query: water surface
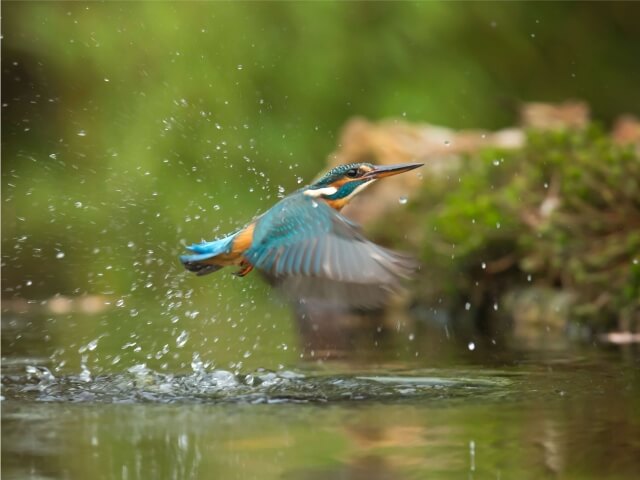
x=447, y=412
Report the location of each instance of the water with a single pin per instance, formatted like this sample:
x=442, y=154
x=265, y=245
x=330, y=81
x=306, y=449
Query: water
x=448, y=412
x=140, y=385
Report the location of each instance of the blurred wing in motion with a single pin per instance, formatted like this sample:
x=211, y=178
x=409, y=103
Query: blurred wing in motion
x=315, y=254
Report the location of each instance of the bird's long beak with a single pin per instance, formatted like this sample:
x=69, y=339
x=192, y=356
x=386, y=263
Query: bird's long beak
x=381, y=171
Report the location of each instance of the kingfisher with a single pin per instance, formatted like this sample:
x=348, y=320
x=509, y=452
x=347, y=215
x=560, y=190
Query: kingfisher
x=305, y=246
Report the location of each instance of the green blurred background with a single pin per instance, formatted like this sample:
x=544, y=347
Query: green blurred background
x=130, y=128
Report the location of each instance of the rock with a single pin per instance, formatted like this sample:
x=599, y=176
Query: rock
x=396, y=141
x=545, y=116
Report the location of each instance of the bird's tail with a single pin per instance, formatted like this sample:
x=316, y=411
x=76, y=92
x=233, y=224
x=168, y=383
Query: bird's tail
x=201, y=261
x=196, y=263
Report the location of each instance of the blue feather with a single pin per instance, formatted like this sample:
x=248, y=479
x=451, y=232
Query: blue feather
x=346, y=189
x=204, y=251
x=195, y=258
x=216, y=247
x=317, y=264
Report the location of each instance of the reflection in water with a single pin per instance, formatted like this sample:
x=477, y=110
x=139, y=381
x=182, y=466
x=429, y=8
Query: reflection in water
x=332, y=333
x=375, y=412
x=550, y=421
x=384, y=336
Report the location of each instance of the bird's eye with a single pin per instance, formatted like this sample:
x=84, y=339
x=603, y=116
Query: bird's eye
x=352, y=173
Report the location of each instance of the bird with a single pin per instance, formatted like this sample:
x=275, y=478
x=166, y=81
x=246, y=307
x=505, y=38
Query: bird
x=307, y=248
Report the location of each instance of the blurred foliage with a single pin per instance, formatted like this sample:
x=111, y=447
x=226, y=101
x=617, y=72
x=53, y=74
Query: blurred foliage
x=130, y=127
x=563, y=212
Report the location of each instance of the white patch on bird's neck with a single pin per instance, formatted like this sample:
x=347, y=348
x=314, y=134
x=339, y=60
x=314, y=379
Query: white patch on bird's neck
x=328, y=191
x=315, y=193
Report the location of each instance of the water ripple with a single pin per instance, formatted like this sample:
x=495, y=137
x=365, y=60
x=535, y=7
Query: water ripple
x=142, y=385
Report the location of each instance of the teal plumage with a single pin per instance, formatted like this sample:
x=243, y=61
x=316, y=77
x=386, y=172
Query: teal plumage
x=205, y=251
x=315, y=253
x=307, y=248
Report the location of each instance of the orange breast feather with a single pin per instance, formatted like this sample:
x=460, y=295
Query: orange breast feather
x=243, y=240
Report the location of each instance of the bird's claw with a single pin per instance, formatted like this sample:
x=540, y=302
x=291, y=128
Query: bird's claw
x=244, y=269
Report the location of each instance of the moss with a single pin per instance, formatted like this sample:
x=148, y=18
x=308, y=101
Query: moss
x=563, y=212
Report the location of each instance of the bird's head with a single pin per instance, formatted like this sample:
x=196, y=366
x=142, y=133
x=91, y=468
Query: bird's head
x=342, y=183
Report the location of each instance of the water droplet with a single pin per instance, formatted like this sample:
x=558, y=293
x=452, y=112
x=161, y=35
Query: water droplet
x=635, y=261
x=139, y=369
x=182, y=339
x=85, y=373
x=495, y=306
x=403, y=200
x=78, y=204
x=239, y=67
x=496, y=162
x=484, y=265
x=412, y=337
x=82, y=133
x=60, y=255
x=528, y=278
x=471, y=346
x=91, y=346
x=197, y=365
x=28, y=283
x=467, y=306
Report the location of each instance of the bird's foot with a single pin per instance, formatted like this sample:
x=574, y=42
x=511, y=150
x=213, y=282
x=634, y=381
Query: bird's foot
x=244, y=269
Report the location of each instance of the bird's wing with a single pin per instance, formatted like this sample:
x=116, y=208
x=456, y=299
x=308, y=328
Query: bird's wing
x=314, y=253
